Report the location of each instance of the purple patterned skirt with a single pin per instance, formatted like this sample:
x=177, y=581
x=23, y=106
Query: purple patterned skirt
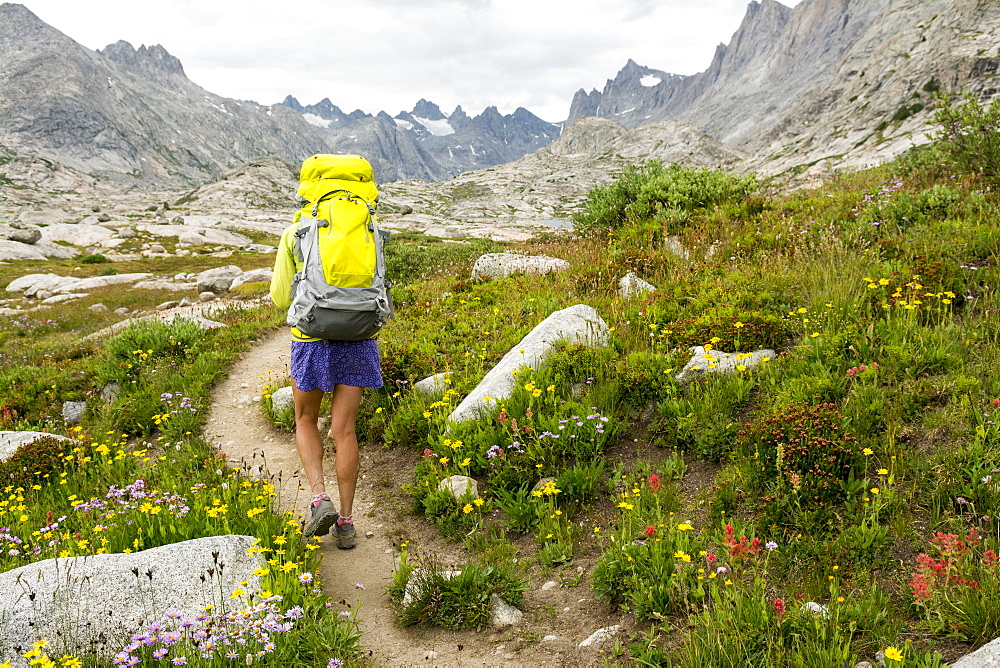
x=321, y=365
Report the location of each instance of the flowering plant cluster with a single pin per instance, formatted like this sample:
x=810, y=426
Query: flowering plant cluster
x=652, y=562
x=244, y=635
x=956, y=585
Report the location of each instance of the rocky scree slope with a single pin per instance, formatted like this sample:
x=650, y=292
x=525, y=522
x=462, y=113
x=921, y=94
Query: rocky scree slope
x=541, y=189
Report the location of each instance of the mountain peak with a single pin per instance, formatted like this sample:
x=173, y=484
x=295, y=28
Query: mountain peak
x=146, y=59
x=428, y=110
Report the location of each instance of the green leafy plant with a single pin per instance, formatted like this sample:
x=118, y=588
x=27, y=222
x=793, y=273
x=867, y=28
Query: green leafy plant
x=36, y=459
x=94, y=258
x=970, y=133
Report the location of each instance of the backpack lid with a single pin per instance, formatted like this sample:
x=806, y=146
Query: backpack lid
x=325, y=172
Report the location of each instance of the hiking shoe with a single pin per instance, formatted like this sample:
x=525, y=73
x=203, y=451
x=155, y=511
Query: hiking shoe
x=323, y=517
x=345, y=535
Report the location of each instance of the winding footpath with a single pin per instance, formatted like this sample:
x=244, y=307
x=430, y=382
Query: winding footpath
x=237, y=428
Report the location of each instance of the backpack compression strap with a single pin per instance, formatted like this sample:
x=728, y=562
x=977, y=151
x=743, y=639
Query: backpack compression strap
x=351, y=197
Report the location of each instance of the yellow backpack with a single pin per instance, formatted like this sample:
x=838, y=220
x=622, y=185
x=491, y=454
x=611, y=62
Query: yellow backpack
x=341, y=293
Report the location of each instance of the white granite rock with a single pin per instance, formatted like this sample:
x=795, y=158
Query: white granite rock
x=502, y=265
x=204, y=323
x=166, y=284
x=503, y=614
x=631, y=285
x=459, y=486
x=15, y=250
x=103, y=599
x=217, y=280
x=259, y=248
x=84, y=284
x=674, y=245
x=68, y=297
x=78, y=235
x=44, y=216
x=576, y=324
x=601, y=635
x=201, y=221
x=816, y=608
x=31, y=284
x=432, y=385
x=281, y=399
x=72, y=412
x=21, y=233
x=198, y=236
x=717, y=361
x=985, y=656
x=252, y=276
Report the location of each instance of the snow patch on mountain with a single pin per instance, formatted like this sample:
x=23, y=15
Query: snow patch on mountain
x=316, y=121
x=406, y=125
x=649, y=81
x=440, y=128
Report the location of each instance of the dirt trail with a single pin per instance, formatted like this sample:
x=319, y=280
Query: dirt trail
x=237, y=427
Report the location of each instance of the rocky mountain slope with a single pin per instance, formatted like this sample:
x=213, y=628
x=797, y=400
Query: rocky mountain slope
x=842, y=82
x=828, y=84
x=127, y=115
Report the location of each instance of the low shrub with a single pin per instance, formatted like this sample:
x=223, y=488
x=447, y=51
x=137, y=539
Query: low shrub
x=33, y=460
x=727, y=329
x=970, y=133
x=93, y=258
x=642, y=192
x=803, y=457
x=146, y=348
x=644, y=377
x=704, y=418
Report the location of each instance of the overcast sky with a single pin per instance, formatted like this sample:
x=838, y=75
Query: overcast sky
x=386, y=55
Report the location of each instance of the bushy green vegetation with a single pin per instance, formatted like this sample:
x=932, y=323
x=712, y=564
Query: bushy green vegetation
x=653, y=192
x=970, y=133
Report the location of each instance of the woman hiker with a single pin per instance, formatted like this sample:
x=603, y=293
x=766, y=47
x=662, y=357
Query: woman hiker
x=342, y=368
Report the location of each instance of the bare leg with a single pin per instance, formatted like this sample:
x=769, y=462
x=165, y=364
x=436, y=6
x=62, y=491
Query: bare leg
x=344, y=404
x=307, y=438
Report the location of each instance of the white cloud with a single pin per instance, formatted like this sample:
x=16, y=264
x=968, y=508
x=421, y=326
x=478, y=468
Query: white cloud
x=386, y=55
